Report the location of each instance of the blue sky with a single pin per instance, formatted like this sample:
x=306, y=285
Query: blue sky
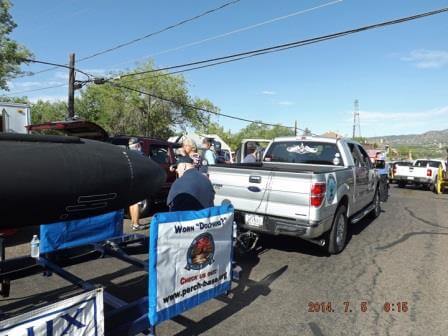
x=399, y=73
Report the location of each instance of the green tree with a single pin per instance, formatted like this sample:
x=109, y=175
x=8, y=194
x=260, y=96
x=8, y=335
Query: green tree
x=256, y=130
x=361, y=140
x=123, y=111
x=227, y=136
x=11, y=53
x=44, y=111
x=16, y=100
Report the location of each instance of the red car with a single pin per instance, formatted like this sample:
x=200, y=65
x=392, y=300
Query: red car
x=158, y=150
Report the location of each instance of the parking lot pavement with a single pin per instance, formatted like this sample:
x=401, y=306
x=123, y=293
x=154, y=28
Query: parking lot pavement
x=398, y=258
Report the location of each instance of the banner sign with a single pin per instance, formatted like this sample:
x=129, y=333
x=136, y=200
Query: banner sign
x=190, y=257
x=81, y=315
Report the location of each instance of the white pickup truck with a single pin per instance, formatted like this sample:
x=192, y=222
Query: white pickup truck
x=422, y=172
x=306, y=187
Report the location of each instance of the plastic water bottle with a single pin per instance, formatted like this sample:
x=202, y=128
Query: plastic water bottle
x=35, y=247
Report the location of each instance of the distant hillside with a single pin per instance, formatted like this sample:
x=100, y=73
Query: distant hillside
x=429, y=138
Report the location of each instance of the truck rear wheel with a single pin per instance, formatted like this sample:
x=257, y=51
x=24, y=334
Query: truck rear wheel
x=401, y=184
x=377, y=205
x=337, y=236
x=433, y=186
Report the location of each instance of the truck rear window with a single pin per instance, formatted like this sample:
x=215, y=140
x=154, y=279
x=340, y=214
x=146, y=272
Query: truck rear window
x=424, y=163
x=304, y=152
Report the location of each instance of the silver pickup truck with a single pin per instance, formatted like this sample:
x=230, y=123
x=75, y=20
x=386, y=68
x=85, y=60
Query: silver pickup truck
x=307, y=187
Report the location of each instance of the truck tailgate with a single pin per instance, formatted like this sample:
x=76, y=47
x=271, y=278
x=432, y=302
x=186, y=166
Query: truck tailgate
x=417, y=171
x=282, y=194
x=246, y=189
x=289, y=195
x=411, y=171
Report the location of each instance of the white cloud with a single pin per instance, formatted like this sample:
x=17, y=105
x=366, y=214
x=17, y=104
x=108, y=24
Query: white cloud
x=35, y=84
x=28, y=84
x=97, y=72
x=427, y=59
x=269, y=93
x=51, y=99
x=61, y=75
x=286, y=103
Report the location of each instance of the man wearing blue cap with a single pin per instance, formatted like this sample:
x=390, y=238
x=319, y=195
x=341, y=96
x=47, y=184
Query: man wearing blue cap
x=192, y=190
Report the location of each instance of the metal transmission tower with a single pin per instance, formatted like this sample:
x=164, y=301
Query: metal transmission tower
x=356, y=120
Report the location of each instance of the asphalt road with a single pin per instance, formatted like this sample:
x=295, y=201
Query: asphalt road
x=401, y=257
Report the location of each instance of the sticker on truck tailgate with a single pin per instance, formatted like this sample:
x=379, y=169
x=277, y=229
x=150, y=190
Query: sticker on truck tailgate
x=332, y=188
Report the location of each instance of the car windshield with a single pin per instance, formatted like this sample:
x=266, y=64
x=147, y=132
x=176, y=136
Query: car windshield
x=308, y=152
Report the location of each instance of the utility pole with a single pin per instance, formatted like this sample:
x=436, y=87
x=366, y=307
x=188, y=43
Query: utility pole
x=149, y=130
x=295, y=128
x=71, y=87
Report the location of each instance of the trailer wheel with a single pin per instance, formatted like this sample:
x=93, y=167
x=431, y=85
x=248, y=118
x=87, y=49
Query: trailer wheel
x=337, y=236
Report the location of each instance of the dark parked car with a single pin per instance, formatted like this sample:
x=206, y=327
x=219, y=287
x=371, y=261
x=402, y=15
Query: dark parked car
x=158, y=150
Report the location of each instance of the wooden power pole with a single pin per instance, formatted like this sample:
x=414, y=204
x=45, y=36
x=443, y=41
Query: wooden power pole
x=71, y=87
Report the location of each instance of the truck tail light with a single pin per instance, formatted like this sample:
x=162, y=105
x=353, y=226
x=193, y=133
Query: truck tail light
x=317, y=195
x=428, y=172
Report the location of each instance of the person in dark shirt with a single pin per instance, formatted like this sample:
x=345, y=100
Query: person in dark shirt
x=192, y=190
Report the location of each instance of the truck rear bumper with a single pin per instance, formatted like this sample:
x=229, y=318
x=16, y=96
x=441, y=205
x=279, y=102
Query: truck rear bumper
x=288, y=227
x=419, y=180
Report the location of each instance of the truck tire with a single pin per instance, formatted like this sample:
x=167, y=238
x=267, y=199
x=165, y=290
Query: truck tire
x=433, y=187
x=337, y=236
x=377, y=202
x=401, y=184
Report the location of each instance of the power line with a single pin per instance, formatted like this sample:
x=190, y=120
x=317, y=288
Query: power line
x=246, y=28
x=33, y=90
x=36, y=73
x=290, y=45
x=124, y=44
x=195, y=107
x=56, y=65
x=160, y=31
x=211, y=64
x=239, y=30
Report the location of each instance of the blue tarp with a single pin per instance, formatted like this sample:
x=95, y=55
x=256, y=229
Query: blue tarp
x=80, y=232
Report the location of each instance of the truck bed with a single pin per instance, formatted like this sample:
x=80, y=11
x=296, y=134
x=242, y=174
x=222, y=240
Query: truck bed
x=293, y=168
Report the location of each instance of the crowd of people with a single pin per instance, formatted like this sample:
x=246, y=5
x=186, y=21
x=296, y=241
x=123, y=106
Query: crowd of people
x=192, y=190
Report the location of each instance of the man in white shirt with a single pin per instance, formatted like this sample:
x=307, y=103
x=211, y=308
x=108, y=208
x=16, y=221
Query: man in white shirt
x=251, y=150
